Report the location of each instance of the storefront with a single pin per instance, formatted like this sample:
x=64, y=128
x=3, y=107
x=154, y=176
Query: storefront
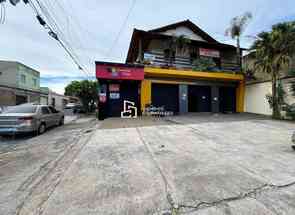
x=183, y=91
x=118, y=83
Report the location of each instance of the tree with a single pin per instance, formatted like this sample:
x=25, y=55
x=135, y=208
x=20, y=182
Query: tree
x=236, y=29
x=86, y=90
x=273, y=53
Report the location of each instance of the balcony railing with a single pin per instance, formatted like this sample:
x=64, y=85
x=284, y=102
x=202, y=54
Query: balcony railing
x=158, y=59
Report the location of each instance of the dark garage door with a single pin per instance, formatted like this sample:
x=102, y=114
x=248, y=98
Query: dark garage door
x=227, y=99
x=199, y=98
x=165, y=95
x=128, y=91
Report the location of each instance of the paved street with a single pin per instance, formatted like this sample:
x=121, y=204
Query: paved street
x=195, y=164
x=28, y=162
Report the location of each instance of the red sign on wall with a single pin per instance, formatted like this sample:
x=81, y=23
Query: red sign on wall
x=114, y=87
x=209, y=53
x=119, y=72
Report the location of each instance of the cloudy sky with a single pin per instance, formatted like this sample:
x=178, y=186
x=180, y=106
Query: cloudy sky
x=91, y=28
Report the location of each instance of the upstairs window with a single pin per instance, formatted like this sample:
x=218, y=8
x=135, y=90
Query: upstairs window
x=35, y=82
x=23, y=79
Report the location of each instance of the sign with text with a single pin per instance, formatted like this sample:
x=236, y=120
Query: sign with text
x=114, y=87
x=119, y=72
x=114, y=95
x=209, y=53
x=102, y=97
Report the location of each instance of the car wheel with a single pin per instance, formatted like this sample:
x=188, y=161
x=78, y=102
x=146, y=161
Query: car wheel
x=42, y=128
x=293, y=147
x=61, y=122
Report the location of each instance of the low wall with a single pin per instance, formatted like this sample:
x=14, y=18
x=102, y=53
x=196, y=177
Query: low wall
x=255, y=96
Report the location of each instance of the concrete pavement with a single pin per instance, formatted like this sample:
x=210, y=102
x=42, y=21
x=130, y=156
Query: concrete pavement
x=241, y=166
x=226, y=164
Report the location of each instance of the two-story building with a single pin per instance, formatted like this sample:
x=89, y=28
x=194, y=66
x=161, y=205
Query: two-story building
x=19, y=84
x=179, y=67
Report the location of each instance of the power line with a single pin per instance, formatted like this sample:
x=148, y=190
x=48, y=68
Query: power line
x=55, y=31
x=122, y=27
x=2, y=12
x=56, y=20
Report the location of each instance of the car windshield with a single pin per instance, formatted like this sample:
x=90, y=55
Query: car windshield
x=21, y=109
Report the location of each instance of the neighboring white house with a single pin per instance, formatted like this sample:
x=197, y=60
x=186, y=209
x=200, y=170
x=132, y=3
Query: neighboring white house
x=57, y=100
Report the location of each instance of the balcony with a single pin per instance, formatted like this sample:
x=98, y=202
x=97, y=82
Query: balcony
x=157, y=59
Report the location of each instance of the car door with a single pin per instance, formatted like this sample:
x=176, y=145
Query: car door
x=55, y=115
x=46, y=116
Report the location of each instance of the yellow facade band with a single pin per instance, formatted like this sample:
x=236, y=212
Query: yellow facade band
x=173, y=73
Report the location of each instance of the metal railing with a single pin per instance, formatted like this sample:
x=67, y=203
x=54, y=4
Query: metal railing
x=158, y=59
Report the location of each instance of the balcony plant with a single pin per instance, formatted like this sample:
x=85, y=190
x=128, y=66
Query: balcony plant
x=182, y=43
x=204, y=64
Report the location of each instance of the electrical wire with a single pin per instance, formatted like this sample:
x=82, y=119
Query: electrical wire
x=46, y=7
x=3, y=12
x=56, y=32
x=74, y=36
x=122, y=27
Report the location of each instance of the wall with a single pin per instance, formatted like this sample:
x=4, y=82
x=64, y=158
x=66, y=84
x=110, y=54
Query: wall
x=7, y=97
x=255, y=98
x=56, y=100
x=44, y=100
x=8, y=73
x=183, y=31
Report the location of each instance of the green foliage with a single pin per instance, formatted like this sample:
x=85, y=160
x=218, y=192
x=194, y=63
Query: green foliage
x=238, y=25
x=236, y=29
x=281, y=93
x=290, y=111
x=273, y=53
x=203, y=64
x=182, y=42
x=292, y=87
x=269, y=100
x=291, y=72
x=176, y=43
x=86, y=90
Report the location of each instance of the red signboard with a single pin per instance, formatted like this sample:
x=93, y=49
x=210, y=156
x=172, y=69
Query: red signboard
x=119, y=72
x=209, y=53
x=114, y=87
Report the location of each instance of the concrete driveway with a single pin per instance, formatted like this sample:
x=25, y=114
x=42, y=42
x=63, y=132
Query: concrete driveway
x=226, y=164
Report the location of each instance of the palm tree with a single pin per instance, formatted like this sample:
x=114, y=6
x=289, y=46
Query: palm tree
x=273, y=53
x=236, y=29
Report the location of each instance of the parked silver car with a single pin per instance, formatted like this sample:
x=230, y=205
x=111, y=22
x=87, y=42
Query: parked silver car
x=29, y=118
